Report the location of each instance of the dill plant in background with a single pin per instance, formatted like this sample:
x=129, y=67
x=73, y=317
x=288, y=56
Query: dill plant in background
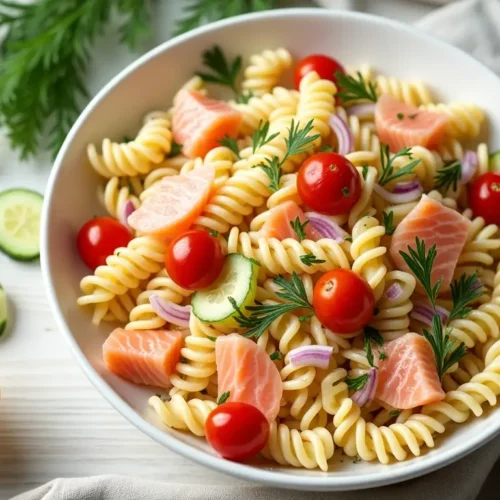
x=45, y=54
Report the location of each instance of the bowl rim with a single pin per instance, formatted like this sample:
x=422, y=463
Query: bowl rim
x=323, y=481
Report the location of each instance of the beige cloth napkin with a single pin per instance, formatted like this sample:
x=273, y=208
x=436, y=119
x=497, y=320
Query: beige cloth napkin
x=475, y=27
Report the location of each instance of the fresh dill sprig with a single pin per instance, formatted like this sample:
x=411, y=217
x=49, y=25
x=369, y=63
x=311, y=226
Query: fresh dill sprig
x=364, y=171
x=420, y=263
x=355, y=89
x=244, y=97
x=309, y=259
x=45, y=57
x=232, y=144
x=198, y=12
x=463, y=291
x=276, y=355
x=224, y=397
x=176, y=149
x=448, y=176
x=372, y=336
x=299, y=228
x=388, y=172
x=388, y=221
x=298, y=141
x=356, y=383
x=261, y=316
x=260, y=136
x=223, y=72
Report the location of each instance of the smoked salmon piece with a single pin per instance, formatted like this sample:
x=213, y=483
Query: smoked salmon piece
x=402, y=125
x=278, y=226
x=248, y=373
x=145, y=357
x=408, y=377
x=198, y=122
x=432, y=223
x=174, y=206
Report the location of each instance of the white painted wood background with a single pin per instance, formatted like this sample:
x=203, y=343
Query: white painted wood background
x=52, y=421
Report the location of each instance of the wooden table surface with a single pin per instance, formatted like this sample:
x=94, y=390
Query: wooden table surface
x=52, y=421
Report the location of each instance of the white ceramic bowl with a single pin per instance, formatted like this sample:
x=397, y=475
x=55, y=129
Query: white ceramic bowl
x=149, y=84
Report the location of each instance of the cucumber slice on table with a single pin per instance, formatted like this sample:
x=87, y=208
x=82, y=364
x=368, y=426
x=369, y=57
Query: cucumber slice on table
x=238, y=279
x=20, y=211
x=3, y=311
x=495, y=161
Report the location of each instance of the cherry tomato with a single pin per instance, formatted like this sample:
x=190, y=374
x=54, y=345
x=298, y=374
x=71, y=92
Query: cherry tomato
x=343, y=302
x=100, y=237
x=485, y=197
x=325, y=66
x=194, y=260
x=237, y=431
x=329, y=183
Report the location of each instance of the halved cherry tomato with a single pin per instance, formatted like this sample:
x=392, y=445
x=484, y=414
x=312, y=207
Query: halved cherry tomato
x=329, y=183
x=100, y=237
x=342, y=301
x=237, y=431
x=325, y=66
x=194, y=260
x=485, y=197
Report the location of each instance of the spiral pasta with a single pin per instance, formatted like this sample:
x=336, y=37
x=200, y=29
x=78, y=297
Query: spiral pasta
x=309, y=449
x=116, y=194
x=464, y=119
x=183, y=415
x=265, y=70
x=149, y=148
x=124, y=270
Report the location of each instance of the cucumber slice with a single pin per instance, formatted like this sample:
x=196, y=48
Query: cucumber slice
x=20, y=211
x=3, y=311
x=495, y=161
x=238, y=279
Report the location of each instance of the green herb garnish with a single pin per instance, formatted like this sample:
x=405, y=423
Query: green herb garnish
x=310, y=259
x=355, y=89
x=176, y=150
x=232, y=144
x=298, y=141
x=276, y=355
x=260, y=136
x=213, y=339
x=395, y=413
x=325, y=149
x=348, y=238
x=364, y=171
x=223, y=398
x=244, y=97
x=299, y=228
x=388, y=172
x=261, y=316
x=388, y=220
x=400, y=116
x=223, y=72
x=356, y=383
x=372, y=336
x=448, y=176
x=463, y=290
x=214, y=233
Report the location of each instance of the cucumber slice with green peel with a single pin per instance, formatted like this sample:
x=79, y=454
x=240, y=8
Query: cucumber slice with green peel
x=238, y=279
x=20, y=211
x=3, y=311
x=495, y=161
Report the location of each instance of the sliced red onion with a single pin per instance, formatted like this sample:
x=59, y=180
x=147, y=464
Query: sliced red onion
x=128, y=209
x=173, y=313
x=343, y=133
x=424, y=313
x=469, y=166
x=399, y=198
x=311, y=355
x=327, y=227
x=365, y=396
x=394, y=291
x=366, y=110
x=407, y=187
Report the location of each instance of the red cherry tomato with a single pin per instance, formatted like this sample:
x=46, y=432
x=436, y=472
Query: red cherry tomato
x=100, y=237
x=194, y=260
x=237, y=431
x=329, y=183
x=325, y=66
x=485, y=197
x=342, y=301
